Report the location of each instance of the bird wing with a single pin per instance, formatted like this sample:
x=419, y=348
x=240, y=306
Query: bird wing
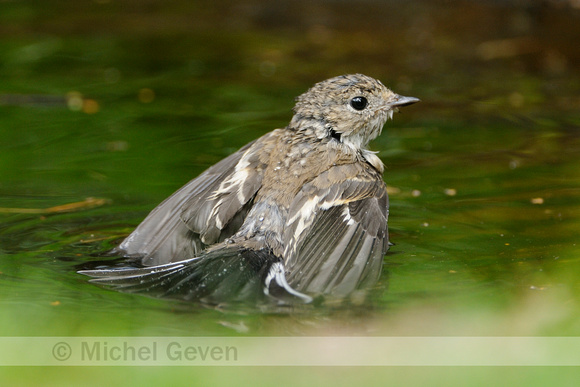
x=206, y=210
x=228, y=274
x=216, y=277
x=337, y=232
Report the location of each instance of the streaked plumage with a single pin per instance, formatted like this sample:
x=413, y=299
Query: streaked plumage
x=300, y=212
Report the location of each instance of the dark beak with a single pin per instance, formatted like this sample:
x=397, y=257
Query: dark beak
x=404, y=101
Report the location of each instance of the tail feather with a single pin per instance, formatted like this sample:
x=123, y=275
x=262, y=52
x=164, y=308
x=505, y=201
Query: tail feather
x=228, y=274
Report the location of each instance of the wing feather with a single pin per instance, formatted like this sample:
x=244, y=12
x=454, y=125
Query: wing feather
x=185, y=223
x=340, y=247
x=226, y=274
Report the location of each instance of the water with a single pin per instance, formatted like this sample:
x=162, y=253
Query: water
x=97, y=102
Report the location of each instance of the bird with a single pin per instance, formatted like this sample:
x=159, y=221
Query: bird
x=297, y=214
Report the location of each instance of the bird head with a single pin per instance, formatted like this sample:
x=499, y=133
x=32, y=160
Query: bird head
x=350, y=108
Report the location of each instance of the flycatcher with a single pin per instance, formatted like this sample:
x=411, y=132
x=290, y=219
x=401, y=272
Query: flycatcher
x=298, y=213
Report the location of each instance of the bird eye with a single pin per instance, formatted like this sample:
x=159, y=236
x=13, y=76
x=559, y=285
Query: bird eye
x=359, y=103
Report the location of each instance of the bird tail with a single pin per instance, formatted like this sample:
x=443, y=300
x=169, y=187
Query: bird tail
x=226, y=274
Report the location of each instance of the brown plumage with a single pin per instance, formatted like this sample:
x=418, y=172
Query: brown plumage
x=300, y=212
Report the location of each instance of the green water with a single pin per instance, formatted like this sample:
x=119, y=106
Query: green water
x=484, y=173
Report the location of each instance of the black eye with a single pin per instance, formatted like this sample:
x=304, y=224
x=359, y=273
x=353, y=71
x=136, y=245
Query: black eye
x=359, y=103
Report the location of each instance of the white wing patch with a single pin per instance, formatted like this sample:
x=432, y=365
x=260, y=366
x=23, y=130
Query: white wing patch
x=232, y=185
x=236, y=181
x=305, y=215
x=277, y=274
x=347, y=218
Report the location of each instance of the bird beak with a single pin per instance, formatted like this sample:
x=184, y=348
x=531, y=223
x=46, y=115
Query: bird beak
x=403, y=101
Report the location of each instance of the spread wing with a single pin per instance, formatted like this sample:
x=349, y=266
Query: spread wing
x=223, y=275
x=337, y=232
x=216, y=277
x=206, y=210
